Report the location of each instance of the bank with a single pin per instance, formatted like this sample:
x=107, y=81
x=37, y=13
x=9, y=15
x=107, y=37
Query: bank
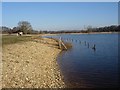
x=31, y=64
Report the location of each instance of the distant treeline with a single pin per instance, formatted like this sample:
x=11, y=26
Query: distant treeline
x=113, y=28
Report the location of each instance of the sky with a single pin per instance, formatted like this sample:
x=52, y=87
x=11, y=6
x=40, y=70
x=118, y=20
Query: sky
x=60, y=15
x=60, y=0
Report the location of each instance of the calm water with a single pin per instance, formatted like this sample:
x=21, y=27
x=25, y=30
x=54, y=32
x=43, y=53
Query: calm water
x=83, y=66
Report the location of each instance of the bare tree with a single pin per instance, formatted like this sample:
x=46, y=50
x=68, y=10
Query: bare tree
x=25, y=27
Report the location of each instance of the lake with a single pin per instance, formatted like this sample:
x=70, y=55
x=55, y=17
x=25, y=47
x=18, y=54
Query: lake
x=85, y=67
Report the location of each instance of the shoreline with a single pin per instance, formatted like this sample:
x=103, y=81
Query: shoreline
x=97, y=33
x=31, y=64
x=48, y=34
x=81, y=33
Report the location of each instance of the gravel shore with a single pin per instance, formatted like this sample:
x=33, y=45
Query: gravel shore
x=31, y=64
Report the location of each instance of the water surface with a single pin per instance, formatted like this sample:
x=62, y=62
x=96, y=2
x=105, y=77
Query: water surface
x=83, y=66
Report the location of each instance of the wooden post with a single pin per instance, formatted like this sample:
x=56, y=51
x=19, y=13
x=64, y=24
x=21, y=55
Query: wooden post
x=88, y=45
x=64, y=45
x=94, y=47
x=61, y=43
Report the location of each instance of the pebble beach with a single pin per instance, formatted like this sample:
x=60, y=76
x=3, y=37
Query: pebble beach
x=31, y=64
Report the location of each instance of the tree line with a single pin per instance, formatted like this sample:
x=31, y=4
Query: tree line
x=26, y=28
x=112, y=28
x=23, y=26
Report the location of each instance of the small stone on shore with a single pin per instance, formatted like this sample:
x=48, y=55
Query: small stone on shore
x=31, y=65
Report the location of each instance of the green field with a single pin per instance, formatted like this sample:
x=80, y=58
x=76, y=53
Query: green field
x=11, y=39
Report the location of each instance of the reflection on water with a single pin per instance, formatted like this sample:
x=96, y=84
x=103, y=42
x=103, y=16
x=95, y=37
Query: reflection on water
x=92, y=62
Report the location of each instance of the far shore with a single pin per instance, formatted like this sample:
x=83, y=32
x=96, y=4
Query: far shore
x=81, y=33
x=96, y=33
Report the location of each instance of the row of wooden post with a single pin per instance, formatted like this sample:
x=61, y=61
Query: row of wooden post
x=94, y=46
x=62, y=44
